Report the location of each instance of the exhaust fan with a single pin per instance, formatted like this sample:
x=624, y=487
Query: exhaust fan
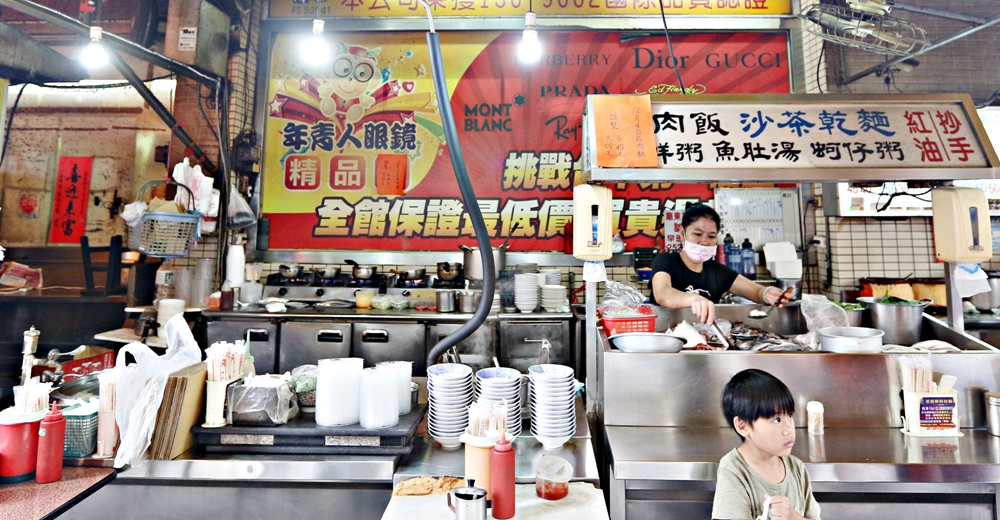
x=865, y=25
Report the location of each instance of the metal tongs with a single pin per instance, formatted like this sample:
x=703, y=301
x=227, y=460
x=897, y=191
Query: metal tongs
x=772, y=307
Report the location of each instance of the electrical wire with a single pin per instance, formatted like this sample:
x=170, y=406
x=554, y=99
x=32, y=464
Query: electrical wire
x=101, y=87
x=670, y=48
x=10, y=123
x=819, y=63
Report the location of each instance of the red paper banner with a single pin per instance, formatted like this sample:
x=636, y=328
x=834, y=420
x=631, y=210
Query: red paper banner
x=69, y=207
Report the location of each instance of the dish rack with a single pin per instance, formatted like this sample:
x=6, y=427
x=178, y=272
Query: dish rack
x=644, y=323
x=163, y=234
x=81, y=435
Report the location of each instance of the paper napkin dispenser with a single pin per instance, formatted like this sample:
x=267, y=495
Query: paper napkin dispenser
x=961, y=225
x=592, y=222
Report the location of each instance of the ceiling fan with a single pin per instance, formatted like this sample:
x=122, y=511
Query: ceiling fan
x=865, y=25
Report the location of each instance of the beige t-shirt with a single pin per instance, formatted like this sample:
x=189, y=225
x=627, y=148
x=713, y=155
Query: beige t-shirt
x=739, y=490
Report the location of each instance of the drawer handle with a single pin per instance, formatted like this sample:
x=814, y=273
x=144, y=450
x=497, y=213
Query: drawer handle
x=257, y=334
x=330, y=336
x=375, y=336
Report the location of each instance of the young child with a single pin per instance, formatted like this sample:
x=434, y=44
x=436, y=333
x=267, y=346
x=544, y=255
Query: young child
x=759, y=407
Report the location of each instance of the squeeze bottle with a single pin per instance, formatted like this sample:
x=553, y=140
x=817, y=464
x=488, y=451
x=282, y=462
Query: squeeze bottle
x=502, y=479
x=51, y=440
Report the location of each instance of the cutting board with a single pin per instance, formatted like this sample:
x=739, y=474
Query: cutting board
x=584, y=502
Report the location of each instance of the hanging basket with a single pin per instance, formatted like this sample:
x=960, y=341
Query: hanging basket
x=164, y=234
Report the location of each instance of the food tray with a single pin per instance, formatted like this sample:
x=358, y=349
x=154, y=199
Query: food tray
x=302, y=435
x=646, y=323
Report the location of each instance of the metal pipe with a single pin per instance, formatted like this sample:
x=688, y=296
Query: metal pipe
x=940, y=13
x=468, y=195
x=154, y=103
x=72, y=25
x=948, y=39
x=956, y=316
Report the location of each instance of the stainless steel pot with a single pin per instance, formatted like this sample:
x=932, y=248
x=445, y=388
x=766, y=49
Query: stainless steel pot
x=993, y=413
x=850, y=340
x=901, y=323
x=449, y=271
x=410, y=274
x=290, y=272
x=327, y=273
x=446, y=301
x=989, y=300
x=468, y=301
x=361, y=272
x=474, y=262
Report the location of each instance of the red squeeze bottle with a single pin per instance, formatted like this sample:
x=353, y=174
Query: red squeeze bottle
x=51, y=438
x=502, y=479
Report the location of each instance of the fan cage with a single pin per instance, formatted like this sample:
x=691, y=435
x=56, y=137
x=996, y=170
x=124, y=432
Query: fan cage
x=858, y=29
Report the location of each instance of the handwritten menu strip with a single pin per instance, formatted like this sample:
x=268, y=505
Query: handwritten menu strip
x=624, y=131
x=69, y=209
x=391, y=173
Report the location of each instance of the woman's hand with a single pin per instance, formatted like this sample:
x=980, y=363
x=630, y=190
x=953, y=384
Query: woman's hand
x=704, y=309
x=772, y=294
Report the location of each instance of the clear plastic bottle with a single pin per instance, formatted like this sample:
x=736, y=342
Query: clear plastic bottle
x=164, y=282
x=749, y=267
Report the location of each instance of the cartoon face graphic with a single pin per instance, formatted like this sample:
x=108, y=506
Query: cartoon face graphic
x=344, y=96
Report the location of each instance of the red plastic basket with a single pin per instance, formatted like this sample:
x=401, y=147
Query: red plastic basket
x=645, y=323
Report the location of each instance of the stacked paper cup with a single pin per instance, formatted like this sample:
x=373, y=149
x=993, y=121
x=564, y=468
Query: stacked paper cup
x=166, y=309
x=338, y=391
x=379, y=397
x=404, y=375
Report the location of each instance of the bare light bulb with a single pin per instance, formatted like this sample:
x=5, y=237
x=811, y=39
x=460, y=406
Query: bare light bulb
x=530, y=50
x=315, y=50
x=93, y=55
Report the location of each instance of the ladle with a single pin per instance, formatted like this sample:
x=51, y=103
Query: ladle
x=772, y=307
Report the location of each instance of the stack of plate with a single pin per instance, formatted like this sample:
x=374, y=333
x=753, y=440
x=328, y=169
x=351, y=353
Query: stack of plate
x=526, y=292
x=551, y=392
x=495, y=308
x=554, y=297
x=552, y=276
x=449, y=394
x=499, y=385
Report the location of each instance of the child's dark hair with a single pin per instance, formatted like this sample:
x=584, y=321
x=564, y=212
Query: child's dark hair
x=753, y=394
x=698, y=211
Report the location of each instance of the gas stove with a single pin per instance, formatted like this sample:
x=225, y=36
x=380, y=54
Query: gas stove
x=457, y=283
x=410, y=284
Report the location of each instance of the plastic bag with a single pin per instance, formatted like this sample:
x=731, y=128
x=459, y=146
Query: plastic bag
x=240, y=215
x=133, y=212
x=617, y=293
x=821, y=312
x=304, y=379
x=139, y=390
x=263, y=400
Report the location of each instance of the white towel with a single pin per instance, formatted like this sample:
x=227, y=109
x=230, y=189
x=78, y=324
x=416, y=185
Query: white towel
x=594, y=271
x=970, y=279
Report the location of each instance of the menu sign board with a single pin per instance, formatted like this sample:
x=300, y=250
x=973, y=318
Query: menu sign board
x=815, y=135
x=399, y=8
x=624, y=131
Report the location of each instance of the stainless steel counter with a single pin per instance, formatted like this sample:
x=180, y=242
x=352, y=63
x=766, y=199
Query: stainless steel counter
x=258, y=312
x=196, y=466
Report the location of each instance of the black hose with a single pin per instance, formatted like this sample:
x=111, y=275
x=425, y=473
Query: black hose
x=471, y=204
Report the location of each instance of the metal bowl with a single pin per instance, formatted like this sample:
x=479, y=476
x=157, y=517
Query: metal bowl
x=290, y=272
x=327, y=273
x=850, y=340
x=647, y=342
x=449, y=271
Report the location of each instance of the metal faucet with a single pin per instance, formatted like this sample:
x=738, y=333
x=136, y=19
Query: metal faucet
x=543, y=356
x=52, y=362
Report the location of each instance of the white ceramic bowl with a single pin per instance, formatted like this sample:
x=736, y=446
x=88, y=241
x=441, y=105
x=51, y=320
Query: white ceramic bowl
x=498, y=375
x=552, y=443
x=547, y=431
x=550, y=370
x=451, y=371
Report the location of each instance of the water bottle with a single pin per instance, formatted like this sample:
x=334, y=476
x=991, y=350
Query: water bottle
x=725, y=255
x=749, y=268
x=164, y=282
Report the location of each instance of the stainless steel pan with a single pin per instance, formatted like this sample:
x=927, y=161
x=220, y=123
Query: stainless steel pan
x=361, y=272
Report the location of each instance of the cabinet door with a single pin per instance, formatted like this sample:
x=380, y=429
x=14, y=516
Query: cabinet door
x=477, y=350
x=304, y=342
x=377, y=342
x=517, y=352
x=263, y=340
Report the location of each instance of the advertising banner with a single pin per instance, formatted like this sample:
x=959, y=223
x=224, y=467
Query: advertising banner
x=399, y=8
x=336, y=135
x=69, y=209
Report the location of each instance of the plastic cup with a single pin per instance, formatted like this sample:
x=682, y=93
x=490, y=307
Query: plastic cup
x=363, y=299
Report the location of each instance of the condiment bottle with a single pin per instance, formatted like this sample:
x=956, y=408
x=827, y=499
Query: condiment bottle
x=814, y=412
x=51, y=440
x=502, y=479
x=226, y=297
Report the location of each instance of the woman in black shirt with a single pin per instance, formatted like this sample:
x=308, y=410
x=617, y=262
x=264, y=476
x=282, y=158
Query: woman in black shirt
x=692, y=279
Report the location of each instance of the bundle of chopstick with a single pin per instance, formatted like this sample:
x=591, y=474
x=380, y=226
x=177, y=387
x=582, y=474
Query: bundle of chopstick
x=225, y=360
x=486, y=419
x=31, y=397
x=916, y=373
x=107, y=395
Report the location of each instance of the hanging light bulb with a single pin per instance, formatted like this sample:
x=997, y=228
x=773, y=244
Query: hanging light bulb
x=94, y=55
x=530, y=49
x=315, y=50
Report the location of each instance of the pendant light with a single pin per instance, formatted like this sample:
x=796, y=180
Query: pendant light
x=530, y=50
x=315, y=50
x=94, y=55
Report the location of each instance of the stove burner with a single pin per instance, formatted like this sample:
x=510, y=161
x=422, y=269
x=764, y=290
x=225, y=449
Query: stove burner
x=362, y=283
x=329, y=282
x=283, y=281
x=410, y=284
x=458, y=283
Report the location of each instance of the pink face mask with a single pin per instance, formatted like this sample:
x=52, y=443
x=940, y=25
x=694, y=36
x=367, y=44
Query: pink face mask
x=698, y=253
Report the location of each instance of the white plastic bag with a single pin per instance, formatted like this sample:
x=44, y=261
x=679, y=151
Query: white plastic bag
x=139, y=390
x=821, y=312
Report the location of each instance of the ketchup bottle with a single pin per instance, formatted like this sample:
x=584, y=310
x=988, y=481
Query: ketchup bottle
x=51, y=438
x=502, y=479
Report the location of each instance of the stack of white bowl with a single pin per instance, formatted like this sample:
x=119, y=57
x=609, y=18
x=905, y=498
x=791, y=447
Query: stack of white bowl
x=552, y=276
x=404, y=376
x=502, y=385
x=526, y=292
x=551, y=395
x=379, y=397
x=449, y=394
x=554, y=297
x=338, y=388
